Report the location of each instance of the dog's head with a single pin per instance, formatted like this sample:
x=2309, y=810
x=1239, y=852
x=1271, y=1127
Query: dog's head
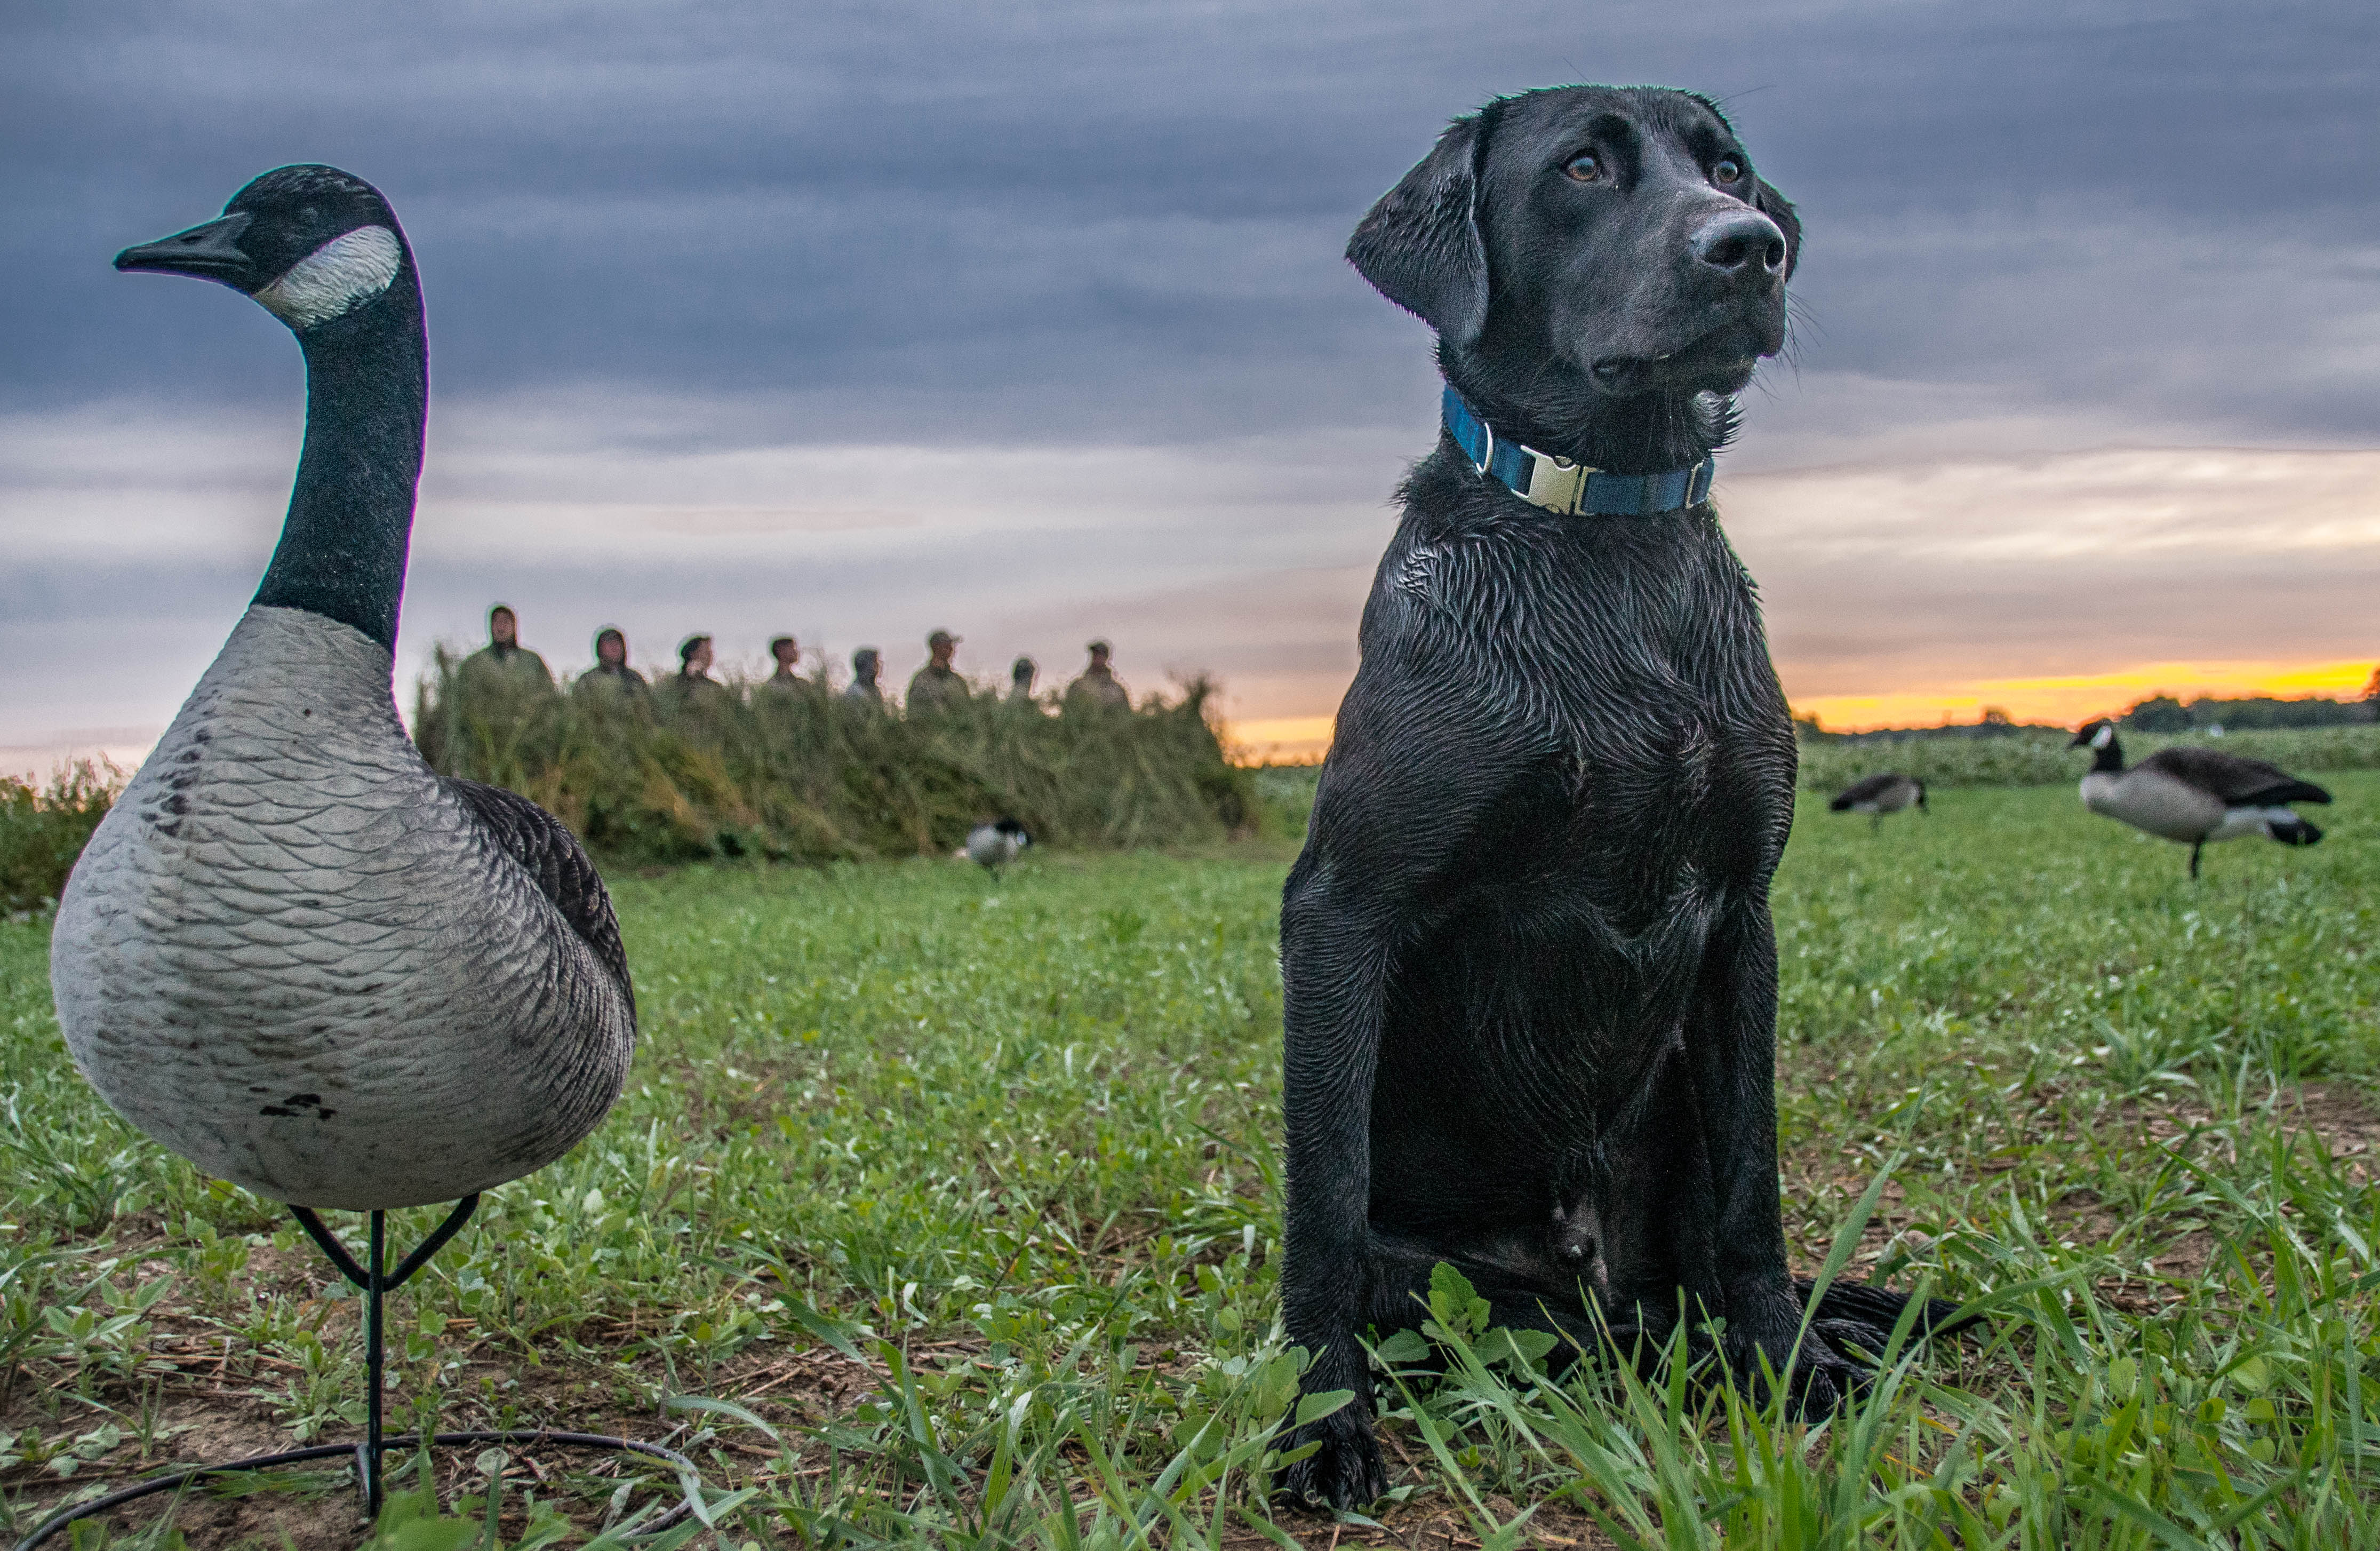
x=1591, y=243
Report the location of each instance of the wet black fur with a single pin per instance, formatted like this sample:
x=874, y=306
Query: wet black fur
x=1531, y=981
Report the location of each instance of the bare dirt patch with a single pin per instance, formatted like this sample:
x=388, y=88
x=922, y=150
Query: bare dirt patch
x=2346, y=1121
x=2338, y=1115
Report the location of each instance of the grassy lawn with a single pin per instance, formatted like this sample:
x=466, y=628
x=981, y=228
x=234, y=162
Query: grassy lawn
x=966, y=1191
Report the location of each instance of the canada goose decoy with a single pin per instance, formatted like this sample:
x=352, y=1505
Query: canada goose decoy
x=2197, y=795
x=995, y=845
x=292, y=952
x=1876, y=796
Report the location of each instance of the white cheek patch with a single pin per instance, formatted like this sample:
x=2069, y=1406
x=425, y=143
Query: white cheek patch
x=335, y=278
x=2104, y=737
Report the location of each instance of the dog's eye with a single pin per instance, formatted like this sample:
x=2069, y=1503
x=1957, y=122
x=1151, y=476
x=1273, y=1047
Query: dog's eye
x=1585, y=168
x=1726, y=170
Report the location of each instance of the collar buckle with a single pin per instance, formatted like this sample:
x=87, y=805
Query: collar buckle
x=1557, y=485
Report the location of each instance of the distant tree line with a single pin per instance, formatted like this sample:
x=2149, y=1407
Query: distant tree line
x=2158, y=714
x=2165, y=713
x=1993, y=723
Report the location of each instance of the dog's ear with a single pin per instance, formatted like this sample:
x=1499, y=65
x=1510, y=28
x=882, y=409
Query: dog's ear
x=1778, y=208
x=1420, y=245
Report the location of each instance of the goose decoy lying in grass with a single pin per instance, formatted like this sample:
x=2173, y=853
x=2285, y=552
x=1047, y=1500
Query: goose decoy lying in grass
x=993, y=845
x=1878, y=795
x=2197, y=795
x=292, y=952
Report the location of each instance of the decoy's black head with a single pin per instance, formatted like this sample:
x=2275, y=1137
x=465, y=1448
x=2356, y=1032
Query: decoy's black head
x=1010, y=827
x=1614, y=236
x=308, y=244
x=2094, y=734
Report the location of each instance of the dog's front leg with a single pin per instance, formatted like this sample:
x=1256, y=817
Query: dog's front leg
x=1334, y=980
x=1415, y=775
x=1732, y=1055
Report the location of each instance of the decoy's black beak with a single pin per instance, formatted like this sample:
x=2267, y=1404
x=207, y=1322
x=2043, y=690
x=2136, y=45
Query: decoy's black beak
x=210, y=251
x=2083, y=738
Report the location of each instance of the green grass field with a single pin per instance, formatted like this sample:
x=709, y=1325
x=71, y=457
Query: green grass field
x=2029, y=760
x=966, y=1191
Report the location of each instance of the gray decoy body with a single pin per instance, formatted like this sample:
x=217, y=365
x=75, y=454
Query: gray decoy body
x=995, y=845
x=2194, y=796
x=292, y=952
x=1889, y=792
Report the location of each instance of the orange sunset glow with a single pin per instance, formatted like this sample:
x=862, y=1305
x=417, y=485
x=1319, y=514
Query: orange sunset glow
x=2064, y=702
x=2068, y=701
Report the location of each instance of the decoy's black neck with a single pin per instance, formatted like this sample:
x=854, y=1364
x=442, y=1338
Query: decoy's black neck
x=2109, y=760
x=343, y=549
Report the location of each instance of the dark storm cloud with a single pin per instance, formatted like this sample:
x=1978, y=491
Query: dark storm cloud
x=1123, y=222
x=1030, y=321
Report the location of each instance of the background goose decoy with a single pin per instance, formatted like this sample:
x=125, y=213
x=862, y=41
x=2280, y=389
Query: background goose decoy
x=2197, y=795
x=292, y=952
x=995, y=845
x=1876, y=796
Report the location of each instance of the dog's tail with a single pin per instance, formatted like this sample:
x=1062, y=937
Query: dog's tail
x=1881, y=1307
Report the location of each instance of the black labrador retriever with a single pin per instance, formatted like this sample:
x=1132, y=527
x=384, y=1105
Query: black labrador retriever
x=1531, y=981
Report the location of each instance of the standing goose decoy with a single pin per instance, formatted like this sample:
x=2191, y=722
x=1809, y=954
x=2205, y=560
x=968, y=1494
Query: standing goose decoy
x=2194, y=795
x=995, y=845
x=1876, y=796
x=292, y=952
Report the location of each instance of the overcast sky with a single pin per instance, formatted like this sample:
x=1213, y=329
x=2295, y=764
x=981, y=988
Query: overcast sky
x=1030, y=322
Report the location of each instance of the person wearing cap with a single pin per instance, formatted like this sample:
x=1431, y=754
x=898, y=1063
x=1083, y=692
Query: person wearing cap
x=1021, y=674
x=692, y=688
x=610, y=682
x=865, y=665
x=1097, y=687
x=504, y=666
x=937, y=687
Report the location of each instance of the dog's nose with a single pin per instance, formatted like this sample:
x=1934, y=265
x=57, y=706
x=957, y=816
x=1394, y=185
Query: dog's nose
x=1743, y=243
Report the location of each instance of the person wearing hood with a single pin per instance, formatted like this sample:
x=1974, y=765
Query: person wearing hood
x=1021, y=674
x=504, y=666
x=866, y=664
x=611, y=680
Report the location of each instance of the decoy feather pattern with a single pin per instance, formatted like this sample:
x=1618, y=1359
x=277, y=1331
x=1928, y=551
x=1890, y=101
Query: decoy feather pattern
x=292, y=952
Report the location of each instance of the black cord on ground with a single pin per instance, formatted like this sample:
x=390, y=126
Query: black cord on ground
x=369, y=1452
x=518, y=1438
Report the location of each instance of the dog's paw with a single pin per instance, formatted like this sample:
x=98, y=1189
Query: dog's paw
x=1345, y=1471
x=1824, y=1381
x=1834, y=1361
x=1838, y=1361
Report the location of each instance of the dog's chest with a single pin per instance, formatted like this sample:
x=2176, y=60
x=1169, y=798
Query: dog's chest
x=1628, y=662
